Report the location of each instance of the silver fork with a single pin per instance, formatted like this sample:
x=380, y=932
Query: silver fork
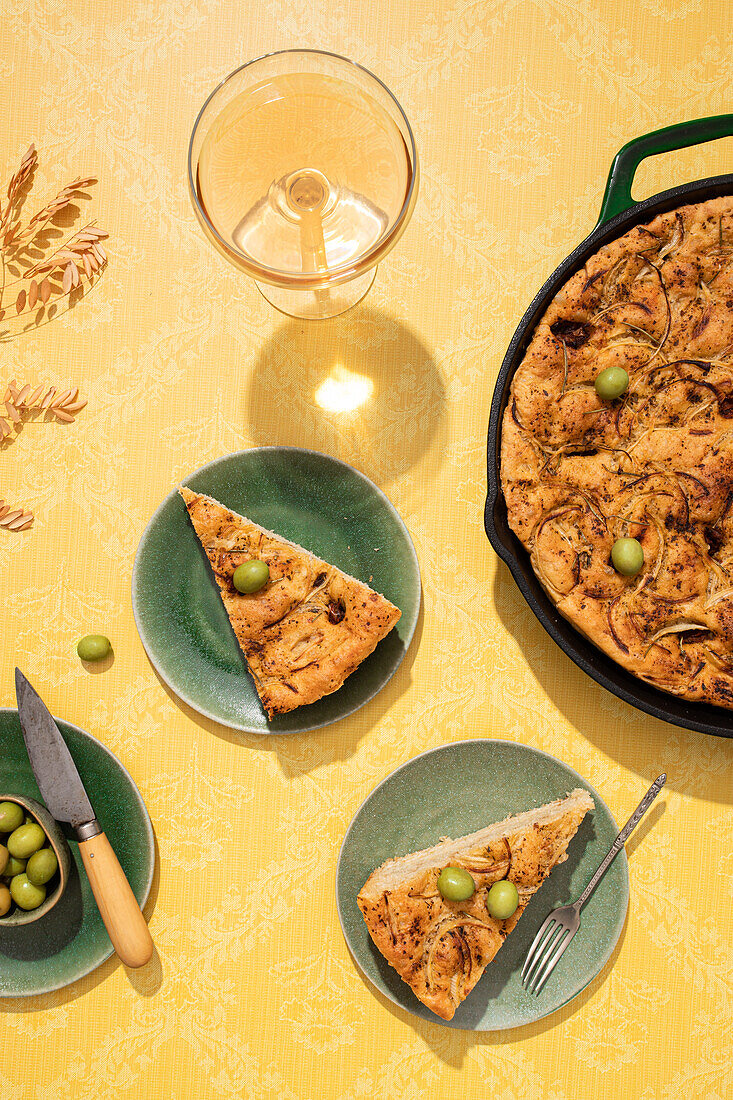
x=558, y=929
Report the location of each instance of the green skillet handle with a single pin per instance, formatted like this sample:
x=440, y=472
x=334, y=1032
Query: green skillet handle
x=617, y=197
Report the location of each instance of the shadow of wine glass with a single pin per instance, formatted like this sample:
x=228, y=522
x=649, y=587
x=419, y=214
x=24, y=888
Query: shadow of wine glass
x=362, y=387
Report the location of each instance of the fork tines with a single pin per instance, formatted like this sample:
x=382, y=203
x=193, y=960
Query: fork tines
x=547, y=947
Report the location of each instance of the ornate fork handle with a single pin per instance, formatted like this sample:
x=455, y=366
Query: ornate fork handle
x=622, y=837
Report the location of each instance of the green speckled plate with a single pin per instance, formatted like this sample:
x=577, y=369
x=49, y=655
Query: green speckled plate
x=320, y=503
x=71, y=940
x=457, y=789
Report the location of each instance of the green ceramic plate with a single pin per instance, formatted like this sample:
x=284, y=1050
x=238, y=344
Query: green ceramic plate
x=457, y=789
x=71, y=940
x=309, y=498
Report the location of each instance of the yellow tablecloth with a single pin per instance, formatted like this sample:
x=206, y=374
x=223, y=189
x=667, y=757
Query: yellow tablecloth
x=517, y=109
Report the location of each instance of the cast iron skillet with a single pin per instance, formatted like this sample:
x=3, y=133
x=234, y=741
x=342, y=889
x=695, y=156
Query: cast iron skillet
x=619, y=213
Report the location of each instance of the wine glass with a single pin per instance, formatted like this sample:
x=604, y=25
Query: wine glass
x=303, y=173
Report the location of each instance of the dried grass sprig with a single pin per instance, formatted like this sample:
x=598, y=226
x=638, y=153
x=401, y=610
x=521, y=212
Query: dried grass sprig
x=59, y=271
x=17, y=403
x=85, y=242
x=60, y=202
x=15, y=519
x=10, y=212
x=61, y=404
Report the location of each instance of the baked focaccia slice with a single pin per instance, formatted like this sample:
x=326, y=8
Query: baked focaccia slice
x=310, y=626
x=441, y=948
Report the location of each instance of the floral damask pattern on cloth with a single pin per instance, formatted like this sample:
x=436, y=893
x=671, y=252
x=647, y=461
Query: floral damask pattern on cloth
x=518, y=110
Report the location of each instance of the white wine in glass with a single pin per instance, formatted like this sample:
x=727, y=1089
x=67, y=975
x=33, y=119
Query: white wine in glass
x=303, y=172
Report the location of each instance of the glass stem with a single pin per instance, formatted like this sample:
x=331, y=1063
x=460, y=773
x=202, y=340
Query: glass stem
x=313, y=250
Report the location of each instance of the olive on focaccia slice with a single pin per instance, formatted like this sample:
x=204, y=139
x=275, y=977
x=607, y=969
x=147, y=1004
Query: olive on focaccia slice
x=439, y=947
x=308, y=628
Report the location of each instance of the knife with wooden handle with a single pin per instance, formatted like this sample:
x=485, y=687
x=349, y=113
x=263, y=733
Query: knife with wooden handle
x=67, y=801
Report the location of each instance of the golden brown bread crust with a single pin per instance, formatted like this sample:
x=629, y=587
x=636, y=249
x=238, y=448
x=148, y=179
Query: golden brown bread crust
x=308, y=628
x=441, y=948
x=655, y=464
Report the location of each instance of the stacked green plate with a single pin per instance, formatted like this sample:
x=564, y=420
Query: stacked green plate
x=71, y=940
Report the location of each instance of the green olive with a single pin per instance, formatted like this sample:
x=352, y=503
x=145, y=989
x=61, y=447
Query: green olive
x=11, y=816
x=627, y=556
x=251, y=576
x=42, y=866
x=93, y=647
x=455, y=884
x=502, y=900
x=5, y=899
x=14, y=867
x=26, y=840
x=4, y=857
x=25, y=894
x=611, y=383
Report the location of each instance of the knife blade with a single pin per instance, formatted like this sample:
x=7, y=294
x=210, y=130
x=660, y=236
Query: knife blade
x=55, y=771
x=66, y=799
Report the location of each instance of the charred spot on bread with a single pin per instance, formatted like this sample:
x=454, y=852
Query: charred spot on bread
x=336, y=611
x=572, y=333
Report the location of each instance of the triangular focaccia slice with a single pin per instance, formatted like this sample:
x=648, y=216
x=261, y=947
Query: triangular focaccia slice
x=441, y=948
x=311, y=625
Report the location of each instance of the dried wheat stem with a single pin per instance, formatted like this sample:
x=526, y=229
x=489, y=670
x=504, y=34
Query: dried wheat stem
x=15, y=519
x=44, y=292
x=80, y=247
x=85, y=242
x=81, y=254
x=62, y=404
x=27, y=164
x=60, y=201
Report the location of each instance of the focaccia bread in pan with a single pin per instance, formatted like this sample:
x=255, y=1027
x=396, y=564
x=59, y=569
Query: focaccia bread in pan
x=656, y=464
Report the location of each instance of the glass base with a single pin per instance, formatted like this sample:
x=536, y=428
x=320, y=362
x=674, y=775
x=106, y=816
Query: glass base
x=318, y=304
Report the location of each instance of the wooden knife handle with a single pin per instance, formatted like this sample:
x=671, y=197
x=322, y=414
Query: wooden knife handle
x=117, y=904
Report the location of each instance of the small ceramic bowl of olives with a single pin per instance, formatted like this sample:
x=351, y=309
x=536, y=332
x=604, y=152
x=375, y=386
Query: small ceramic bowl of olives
x=35, y=861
